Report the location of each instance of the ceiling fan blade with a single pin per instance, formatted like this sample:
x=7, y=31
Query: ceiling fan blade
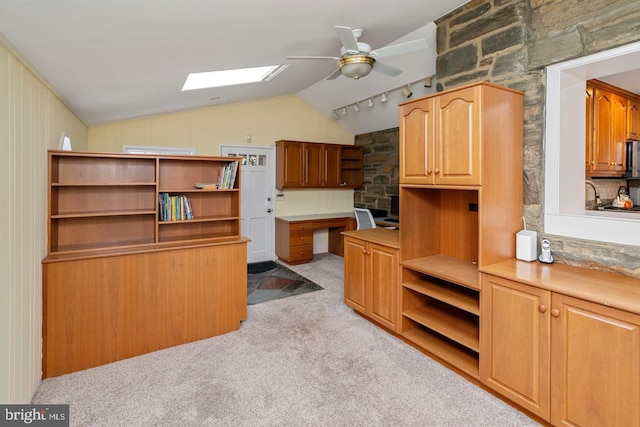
x=400, y=48
x=334, y=75
x=386, y=69
x=335, y=58
x=349, y=41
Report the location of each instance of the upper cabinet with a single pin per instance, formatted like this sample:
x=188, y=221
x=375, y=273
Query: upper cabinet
x=317, y=165
x=612, y=118
x=441, y=138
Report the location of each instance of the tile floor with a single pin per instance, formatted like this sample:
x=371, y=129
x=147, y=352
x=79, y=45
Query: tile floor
x=277, y=283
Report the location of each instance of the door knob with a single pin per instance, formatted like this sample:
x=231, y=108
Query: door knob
x=269, y=210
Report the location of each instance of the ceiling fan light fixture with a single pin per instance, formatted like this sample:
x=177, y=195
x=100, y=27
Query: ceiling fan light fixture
x=356, y=66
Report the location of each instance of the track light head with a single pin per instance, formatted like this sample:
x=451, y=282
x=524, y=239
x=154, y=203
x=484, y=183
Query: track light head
x=406, y=92
x=370, y=102
x=383, y=98
x=344, y=111
x=355, y=107
x=335, y=115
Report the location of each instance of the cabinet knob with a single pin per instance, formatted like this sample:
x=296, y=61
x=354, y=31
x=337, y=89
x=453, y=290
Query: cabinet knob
x=436, y=170
x=555, y=312
x=542, y=308
x=301, y=237
x=429, y=171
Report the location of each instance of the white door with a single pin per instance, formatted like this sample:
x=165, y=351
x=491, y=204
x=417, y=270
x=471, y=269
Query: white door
x=257, y=184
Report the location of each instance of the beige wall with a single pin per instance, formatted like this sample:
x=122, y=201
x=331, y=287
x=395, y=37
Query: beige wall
x=32, y=120
x=206, y=129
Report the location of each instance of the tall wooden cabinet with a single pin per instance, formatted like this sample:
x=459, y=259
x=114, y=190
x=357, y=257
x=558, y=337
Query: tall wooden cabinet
x=461, y=192
x=118, y=280
x=563, y=342
x=317, y=165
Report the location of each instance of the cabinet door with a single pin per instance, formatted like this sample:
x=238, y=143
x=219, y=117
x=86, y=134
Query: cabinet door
x=289, y=164
x=609, y=122
x=313, y=165
x=633, y=119
x=383, y=285
x=515, y=342
x=416, y=142
x=589, y=150
x=457, y=149
x=355, y=273
x=331, y=162
x=595, y=364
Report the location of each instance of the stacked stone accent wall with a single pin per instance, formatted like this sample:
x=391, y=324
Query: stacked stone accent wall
x=510, y=42
x=381, y=169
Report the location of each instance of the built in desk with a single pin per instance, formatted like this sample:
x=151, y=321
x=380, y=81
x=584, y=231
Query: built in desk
x=294, y=234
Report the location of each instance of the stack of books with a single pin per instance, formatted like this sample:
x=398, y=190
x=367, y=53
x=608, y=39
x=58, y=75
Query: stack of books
x=174, y=208
x=227, y=178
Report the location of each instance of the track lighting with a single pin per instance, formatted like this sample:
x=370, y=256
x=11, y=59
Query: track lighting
x=384, y=97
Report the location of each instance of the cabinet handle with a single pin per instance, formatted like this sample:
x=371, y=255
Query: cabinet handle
x=555, y=312
x=542, y=308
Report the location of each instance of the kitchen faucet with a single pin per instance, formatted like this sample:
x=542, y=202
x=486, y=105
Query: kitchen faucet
x=595, y=189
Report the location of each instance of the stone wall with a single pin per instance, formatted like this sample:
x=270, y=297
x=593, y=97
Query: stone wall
x=381, y=169
x=510, y=42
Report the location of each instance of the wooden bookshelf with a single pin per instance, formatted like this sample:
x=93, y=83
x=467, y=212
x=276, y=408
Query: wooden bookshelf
x=118, y=281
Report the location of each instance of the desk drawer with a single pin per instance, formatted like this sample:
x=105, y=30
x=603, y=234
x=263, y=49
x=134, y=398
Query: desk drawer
x=300, y=226
x=300, y=253
x=297, y=238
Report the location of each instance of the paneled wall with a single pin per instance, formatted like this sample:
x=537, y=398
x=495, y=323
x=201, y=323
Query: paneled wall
x=266, y=121
x=32, y=120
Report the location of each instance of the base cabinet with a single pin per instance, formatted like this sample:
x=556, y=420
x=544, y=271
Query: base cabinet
x=371, y=278
x=106, y=308
x=570, y=361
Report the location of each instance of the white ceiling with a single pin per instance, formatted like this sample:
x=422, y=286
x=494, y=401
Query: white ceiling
x=118, y=59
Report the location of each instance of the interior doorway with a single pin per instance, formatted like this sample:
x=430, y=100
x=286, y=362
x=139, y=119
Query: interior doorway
x=257, y=184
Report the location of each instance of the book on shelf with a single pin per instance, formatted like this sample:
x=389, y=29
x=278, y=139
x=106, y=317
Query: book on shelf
x=206, y=186
x=227, y=176
x=174, y=208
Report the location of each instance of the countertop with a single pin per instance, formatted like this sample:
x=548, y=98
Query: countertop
x=609, y=289
x=383, y=236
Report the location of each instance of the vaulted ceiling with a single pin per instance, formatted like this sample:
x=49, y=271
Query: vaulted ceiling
x=119, y=59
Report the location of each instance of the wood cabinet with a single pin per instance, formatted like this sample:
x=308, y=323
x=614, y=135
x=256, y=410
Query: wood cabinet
x=612, y=117
x=461, y=217
x=440, y=138
x=563, y=342
x=119, y=281
x=371, y=275
x=317, y=165
x=633, y=119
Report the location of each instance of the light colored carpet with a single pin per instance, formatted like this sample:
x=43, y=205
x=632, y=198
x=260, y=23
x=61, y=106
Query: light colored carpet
x=307, y=360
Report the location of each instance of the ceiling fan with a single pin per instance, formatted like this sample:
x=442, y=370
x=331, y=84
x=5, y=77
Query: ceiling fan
x=357, y=59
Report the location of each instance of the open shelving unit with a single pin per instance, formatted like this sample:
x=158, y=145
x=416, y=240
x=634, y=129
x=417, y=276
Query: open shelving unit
x=119, y=280
x=460, y=207
x=101, y=201
x=351, y=165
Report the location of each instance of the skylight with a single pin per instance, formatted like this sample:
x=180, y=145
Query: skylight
x=232, y=77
